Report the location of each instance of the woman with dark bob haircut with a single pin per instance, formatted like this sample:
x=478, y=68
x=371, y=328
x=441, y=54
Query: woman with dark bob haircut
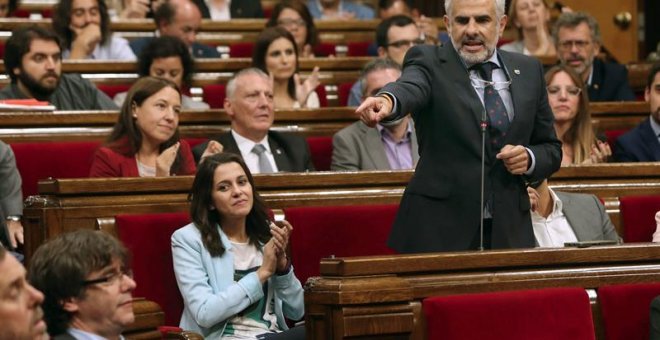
x=167, y=57
x=230, y=262
x=294, y=16
x=145, y=140
x=276, y=54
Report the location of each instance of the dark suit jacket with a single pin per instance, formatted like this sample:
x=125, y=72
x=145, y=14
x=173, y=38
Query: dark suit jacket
x=609, y=82
x=238, y=9
x=655, y=319
x=440, y=208
x=291, y=152
x=198, y=50
x=637, y=145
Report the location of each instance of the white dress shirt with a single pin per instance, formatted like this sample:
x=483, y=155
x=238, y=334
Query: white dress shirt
x=251, y=159
x=555, y=230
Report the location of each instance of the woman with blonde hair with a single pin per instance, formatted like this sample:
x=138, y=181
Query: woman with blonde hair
x=568, y=99
x=531, y=19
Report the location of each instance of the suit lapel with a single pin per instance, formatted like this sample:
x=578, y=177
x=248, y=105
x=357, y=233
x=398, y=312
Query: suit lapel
x=650, y=141
x=279, y=154
x=373, y=143
x=459, y=78
x=517, y=88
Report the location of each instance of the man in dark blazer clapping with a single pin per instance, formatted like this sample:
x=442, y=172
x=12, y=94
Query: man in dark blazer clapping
x=449, y=92
x=249, y=104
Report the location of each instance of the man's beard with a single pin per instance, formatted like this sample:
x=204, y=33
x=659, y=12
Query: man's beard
x=474, y=58
x=580, y=70
x=36, y=88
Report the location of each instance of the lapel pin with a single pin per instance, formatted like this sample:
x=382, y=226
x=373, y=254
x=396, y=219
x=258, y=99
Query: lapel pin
x=278, y=151
x=516, y=71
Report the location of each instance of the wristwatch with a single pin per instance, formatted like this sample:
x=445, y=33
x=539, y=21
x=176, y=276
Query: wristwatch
x=13, y=218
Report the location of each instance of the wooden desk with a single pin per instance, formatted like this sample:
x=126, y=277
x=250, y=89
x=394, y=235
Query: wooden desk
x=379, y=297
x=69, y=204
x=96, y=125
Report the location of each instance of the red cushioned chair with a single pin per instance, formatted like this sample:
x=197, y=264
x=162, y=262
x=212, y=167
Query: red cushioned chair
x=613, y=135
x=214, y=95
x=323, y=95
x=554, y=313
x=321, y=151
x=37, y=161
x=341, y=231
x=147, y=237
x=343, y=92
x=241, y=50
x=112, y=90
x=638, y=217
x=325, y=49
x=626, y=309
x=358, y=49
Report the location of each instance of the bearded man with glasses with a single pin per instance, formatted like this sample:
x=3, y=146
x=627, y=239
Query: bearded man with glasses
x=87, y=285
x=578, y=42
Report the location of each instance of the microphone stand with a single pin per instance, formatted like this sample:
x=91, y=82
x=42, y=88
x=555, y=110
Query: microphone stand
x=483, y=125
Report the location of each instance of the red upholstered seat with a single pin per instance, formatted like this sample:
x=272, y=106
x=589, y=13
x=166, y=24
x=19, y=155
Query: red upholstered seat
x=37, y=161
x=324, y=49
x=638, y=217
x=321, y=150
x=343, y=92
x=241, y=50
x=358, y=49
x=613, y=135
x=341, y=231
x=112, y=90
x=323, y=95
x=214, y=95
x=556, y=313
x=625, y=310
x=148, y=238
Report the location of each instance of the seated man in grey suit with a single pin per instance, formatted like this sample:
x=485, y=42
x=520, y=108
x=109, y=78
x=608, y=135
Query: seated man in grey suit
x=88, y=286
x=391, y=146
x=560, y=217
x=249, y=104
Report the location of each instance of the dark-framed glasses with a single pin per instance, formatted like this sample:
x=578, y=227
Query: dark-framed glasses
x=405, y=42
x=554, y=90
x=110, y=279
x=567, y=45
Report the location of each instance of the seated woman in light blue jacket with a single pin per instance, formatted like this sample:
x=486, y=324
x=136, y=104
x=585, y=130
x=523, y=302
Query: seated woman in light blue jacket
x=230, y=263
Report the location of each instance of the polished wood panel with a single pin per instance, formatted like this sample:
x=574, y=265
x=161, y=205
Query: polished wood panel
x=96, y=125
x=380, y=296
x=69, y=204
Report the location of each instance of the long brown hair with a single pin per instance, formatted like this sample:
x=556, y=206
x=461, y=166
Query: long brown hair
x=126, y=137
x=207, y=220
x=265, y=38
x=580, y=135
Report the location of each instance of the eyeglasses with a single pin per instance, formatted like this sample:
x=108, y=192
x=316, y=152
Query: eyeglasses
x=573, y=91
x=291, y=22
x=110, y=279
x=402, y=43
x=568, y=44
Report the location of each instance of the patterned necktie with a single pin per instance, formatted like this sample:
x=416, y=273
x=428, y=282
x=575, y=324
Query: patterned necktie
x=498, y=120
x=264, y=163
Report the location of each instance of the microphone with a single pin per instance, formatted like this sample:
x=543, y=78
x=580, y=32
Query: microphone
x=483, y=125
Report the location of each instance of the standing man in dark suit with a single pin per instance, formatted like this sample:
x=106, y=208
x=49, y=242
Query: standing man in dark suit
x=448, y=98
x=249, y=104
x=578, y=41
x=642, y=144
x=227, y=9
